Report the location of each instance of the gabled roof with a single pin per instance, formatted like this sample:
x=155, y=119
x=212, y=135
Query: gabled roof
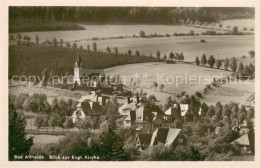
x=172, y=111
x=144, y=139
x=164, y=135
x=91, y=107
x=243, y=140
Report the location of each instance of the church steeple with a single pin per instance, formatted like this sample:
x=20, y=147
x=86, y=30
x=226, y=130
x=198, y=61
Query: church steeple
x=78, y=61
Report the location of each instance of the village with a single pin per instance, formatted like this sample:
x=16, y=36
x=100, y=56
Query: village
x=179, y=89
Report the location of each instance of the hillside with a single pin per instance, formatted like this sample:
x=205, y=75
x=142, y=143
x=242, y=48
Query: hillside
x=33, y=59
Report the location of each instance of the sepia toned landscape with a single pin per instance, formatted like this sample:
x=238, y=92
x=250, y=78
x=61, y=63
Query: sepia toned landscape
x=131, y=84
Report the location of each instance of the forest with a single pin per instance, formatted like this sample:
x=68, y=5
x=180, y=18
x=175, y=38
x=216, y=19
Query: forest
x=115, y=15
x=33, y=59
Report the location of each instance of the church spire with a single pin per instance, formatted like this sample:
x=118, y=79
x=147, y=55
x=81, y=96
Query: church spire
x=79, y=60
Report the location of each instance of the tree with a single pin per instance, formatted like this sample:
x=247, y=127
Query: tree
x=67, y=44
x=111, y=145
x=203, y=60
x=240, y=67
x=211, y=111
x=233, y=64
x=54, y=42
x=158, y=54
x=252, y=53
x=39, y=122
x=74, y=46
x=37, y=39
x=94, y=46
x=142, y=34
x=68, y=123
x=235, y=30
x=161, y=86
x=218, y=63
x=197, y=61
x=211, y=61
x=155, y=84
x=88, y=47
x=226, y=64
x=18, y=143
x=54, y=121
x=171, y=56
x=116, y=50
x=137, y=53
x=250, y=114
x=61, y=42
x=129, y=52
x=108, y=50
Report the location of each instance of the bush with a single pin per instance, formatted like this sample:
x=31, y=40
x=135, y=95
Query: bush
x=142, y=34
x=198, y=94
x=170, y=62
x=208, y=86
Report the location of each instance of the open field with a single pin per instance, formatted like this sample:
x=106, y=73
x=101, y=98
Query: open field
x=238, y=92
x=220, y=46
x=176, y=77
x=51, y=92
x=193, y=79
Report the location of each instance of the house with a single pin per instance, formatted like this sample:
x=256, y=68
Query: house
x=143, y=120
x=129, y=105
x=94, y=97
x=159, y=122
x=246, y=142
x=143, y=140
x=172, y=114
x=89, y=106
x=168, y=136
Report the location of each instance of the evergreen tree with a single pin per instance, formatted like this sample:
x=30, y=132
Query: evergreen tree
x=211, y=61
x=218, y=63
x=18, y=143
x=111, y=145
x=226, y=64
x=197, y=61
x=203, y=60
x=233, y=64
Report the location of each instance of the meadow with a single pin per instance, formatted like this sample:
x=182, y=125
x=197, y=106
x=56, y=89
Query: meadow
x=186, y=77
x=219, y=46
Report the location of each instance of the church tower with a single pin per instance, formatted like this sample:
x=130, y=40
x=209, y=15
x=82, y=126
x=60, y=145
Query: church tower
x=78, y=70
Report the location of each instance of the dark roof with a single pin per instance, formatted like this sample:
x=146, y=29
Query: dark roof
x=161, y=136
x=90, y=72
x=96, y=108
x=145, y=139
x=176, y=114
x=164, y=135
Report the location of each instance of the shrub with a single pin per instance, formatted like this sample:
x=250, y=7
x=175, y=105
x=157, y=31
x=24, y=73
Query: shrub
x=142, y=34
x=198, y=94
x=208, y=86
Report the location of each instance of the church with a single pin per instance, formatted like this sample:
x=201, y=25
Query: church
x=90, y=77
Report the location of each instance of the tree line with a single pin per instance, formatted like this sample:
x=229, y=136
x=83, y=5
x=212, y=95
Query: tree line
x=58, y=57
x=156, y=15
x=247, y=71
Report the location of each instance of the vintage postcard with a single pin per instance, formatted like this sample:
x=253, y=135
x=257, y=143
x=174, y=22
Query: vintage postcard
x=101, y=85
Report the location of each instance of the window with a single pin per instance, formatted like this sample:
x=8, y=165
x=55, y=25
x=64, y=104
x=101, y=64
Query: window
x=180, y=140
